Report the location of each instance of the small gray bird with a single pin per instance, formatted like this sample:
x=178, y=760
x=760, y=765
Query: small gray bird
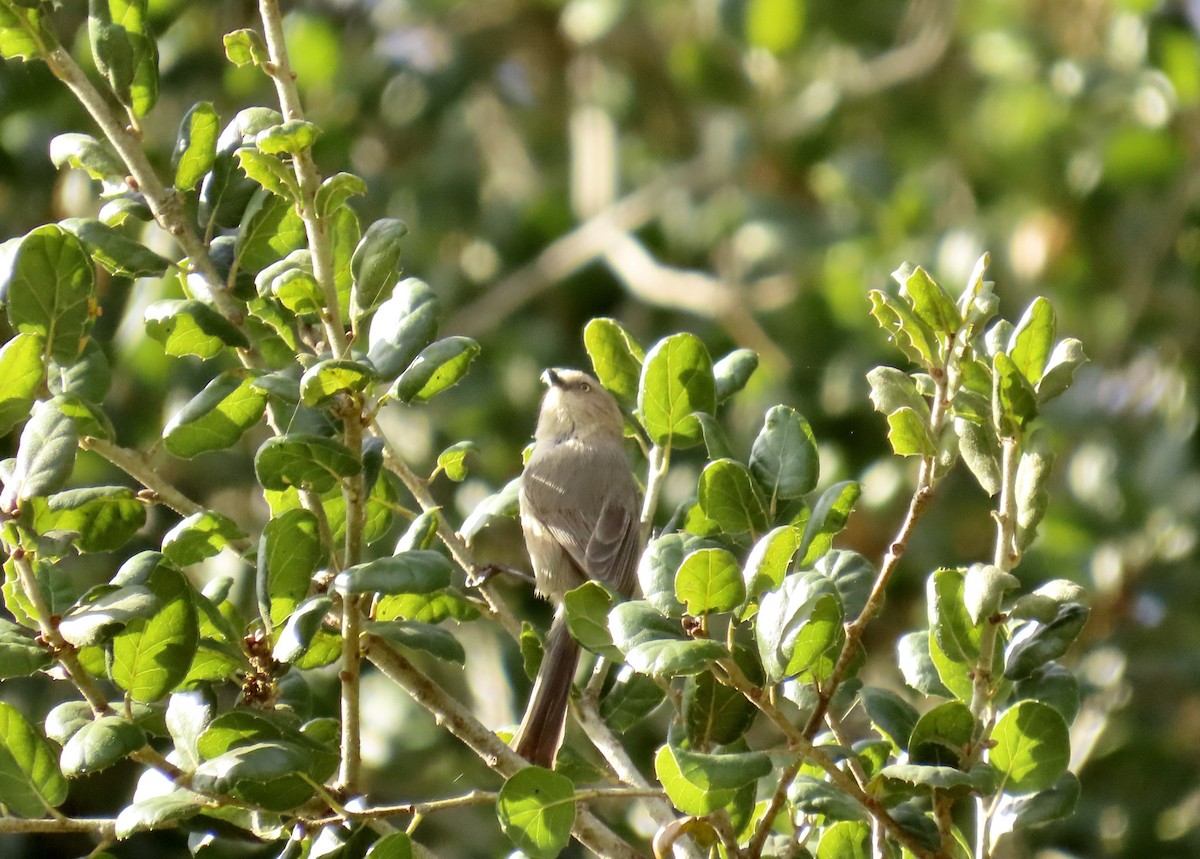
x=579, y=512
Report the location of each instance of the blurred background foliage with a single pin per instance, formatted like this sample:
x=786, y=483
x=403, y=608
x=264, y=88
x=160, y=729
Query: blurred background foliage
x=747, y=170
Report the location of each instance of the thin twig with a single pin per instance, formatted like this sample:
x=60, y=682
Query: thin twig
x=103, y=828
x=350, y=674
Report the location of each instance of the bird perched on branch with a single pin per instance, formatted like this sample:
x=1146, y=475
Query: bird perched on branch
x=579, y=511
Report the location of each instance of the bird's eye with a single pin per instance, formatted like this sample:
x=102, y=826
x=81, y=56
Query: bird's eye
x=584, y=387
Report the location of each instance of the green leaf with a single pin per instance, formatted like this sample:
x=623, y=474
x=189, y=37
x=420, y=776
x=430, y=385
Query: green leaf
x=932, y=304
x=1033, y=473
x=269, y=172
x=1059, y=373
x=616, y=357
x=291, y=282
x=729, y=498
x=200, y=536
x=722, y=771
x=216, y=417
x=152, y=655
x=100, y=744
x=30, y=780
x=587, y=608
x=289, y=137
x=245, y=47
x=20, y=655
x=910, y=334
x=336, y=190
x=798, y=626
x=47, y=282
x=688, y=797
x=158, y=812
x=909, y=434
x=980, y=449
x=196, y=145
x=983, y=588
x=395, y=845
x=954, y=781
x=891, y=715
x=1045, y=602
x=709, y=580
x=957, y=635
x=325, y=379
x=677, y=380
x=104, y=517
x=1056, y=802
x=424, y=637
x=1051, y=684
x=375, y=266
x=88, y=378
x=659, y=564
x=433, y=607
x=956, y=674
x=190, y=327
x=419, y=571
x=847, y=839
x=784, y=457
x=453, y=460
x=713, y=713
x=439, y=366
x=732, y=372
x=852, y=575
x=289, y=552
x=301, y=628
x=813, y=796
x=769, y=560
x=656, y=645
x=1032, y=747
x=917, y=665
x=402, y=326
x=23, y=368
x=536, y=808
x=942, y=735
x=1036, y=643
x=266, y=773
x=270, y=229
x=1033, y=339
x=631, y=699
x=119, y=254
x=344, y=237
x=305, y=461
x=829, y=517
x=1015, y=402
x=84, y=152
x=892, y=389
x=46, y=454
x=18, y=29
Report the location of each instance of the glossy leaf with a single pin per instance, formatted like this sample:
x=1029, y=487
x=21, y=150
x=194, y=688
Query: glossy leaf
x=677, y=380
x=100, y=744
x=797, y=625
x=22, y=367
x=784, y=457
x=199, y=536
x=289, y=552
x=536, y=808
x=152, y=655
x=336, y=190
x=216, y=417
x=301, y=627
x=709, y=580
x=1036, y=643
x=105, y=610
x=1032, y=747
x=616, y=357
x=769, y=560
x=828, y=518
x=439, y=366
x=419, y=571
x=305, y=461
x=119, y=254
x=158, y=812
x=196, y=145
x=414, y=635
x=376, y=264
x=403, y=325
x=732, y=372
x=46, y=454
x=104, y=517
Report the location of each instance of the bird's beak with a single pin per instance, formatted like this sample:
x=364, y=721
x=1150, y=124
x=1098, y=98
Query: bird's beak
x=551, y=379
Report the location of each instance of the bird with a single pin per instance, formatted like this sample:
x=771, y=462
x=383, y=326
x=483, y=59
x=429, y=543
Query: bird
x=579, y=504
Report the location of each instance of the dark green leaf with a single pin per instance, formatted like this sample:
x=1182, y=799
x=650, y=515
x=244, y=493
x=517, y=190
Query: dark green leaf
x=677, y=380
x=157, y=812
x=289, y=552
x=119, y=254
x=713, y=713
x=305, y=461
x=656, y=645
x=981, y=779
x=916, y=664
x=1032, y=747
x=302, y=626
x=439, y=366
x=631, y=699
x=100, y=744
x=733, y=371
x=797, y=625
x=616, y=357
x=424, y=637
x=376, y=264
x=852, y=575
x=784, y=457
x=20, y=655
x=419, y=571
x=47, y=282
x=942, y=735
x=1051, y=684
x=1035, y=643
x=536, y=808
x=1044, y=603
x=1056, y=802
x=216, y=417
x=270, y=229
x=891, y=715
x=46, y=455
x=402, y=326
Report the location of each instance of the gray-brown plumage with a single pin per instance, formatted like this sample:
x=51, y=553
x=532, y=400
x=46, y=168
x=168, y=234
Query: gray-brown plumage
x=579, y=512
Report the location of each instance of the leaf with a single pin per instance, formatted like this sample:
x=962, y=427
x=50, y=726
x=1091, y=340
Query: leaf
x=196, y=145
x=453, y=460
x=1051, y=684
x=304, y=461
x=46, y=454
x=932, y=304
x=23, y=368
x=1033, y=473
x=983, y=587
x=729, y=498
x=709, y=580
x=47, y=282
x=105, y=610
x=17, y=28
x=152, y=655
x=439, y=366
x=336, y=190
x=302, y=626
x=658, y=566
x=655, y=645
x=769, y=560
x=910, y=334
x=418, y=571
x=942, y=735
x=631, y=699
x=731, y=373
x=269, y=172
x=119, y=254
x=158, y=812
x=84, y=152
x=1059, y=373
x=536, y=808
x=375, y=266
x=722, y=771
x=245, y=47
x=1036, y=643
x=892, y=389
x=104, y=517
x=1033, y=339
x=289, y=552
x=1015, y=403
x=100, y=744
x=587, y=608
x=955, y=674
x=20, y=655
x=957, y=635
x=852, y=575
x=813, y=796
x=676, y=381
x=1032, y=747
x=909, y=435
x=784, y=456
x=403, y=325
x=616, y=357
x=289, y=137
x=797, y=625
x=980, y=449
x=1056, y=802
x=394, y=845
x=829, y=517
x=266, y=773
x=891, y=715
x=687, y=796
x=216, y=417
x=270, y=229
x=199, y=536
x=30, y=780
x=190, y=327
x=917, y=666
x=1044, y=603
x=425, y=637
x=713, y=713
x=848, y=839
x=325, y=379
x=954, y=781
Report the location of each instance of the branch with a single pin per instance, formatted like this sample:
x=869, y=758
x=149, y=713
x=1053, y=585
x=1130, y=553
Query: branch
x=457, y=719
x=353, y=490
x=315, y=227
x=103, y=828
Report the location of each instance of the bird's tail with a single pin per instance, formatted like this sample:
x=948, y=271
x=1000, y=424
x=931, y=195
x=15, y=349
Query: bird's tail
x=541, y=731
